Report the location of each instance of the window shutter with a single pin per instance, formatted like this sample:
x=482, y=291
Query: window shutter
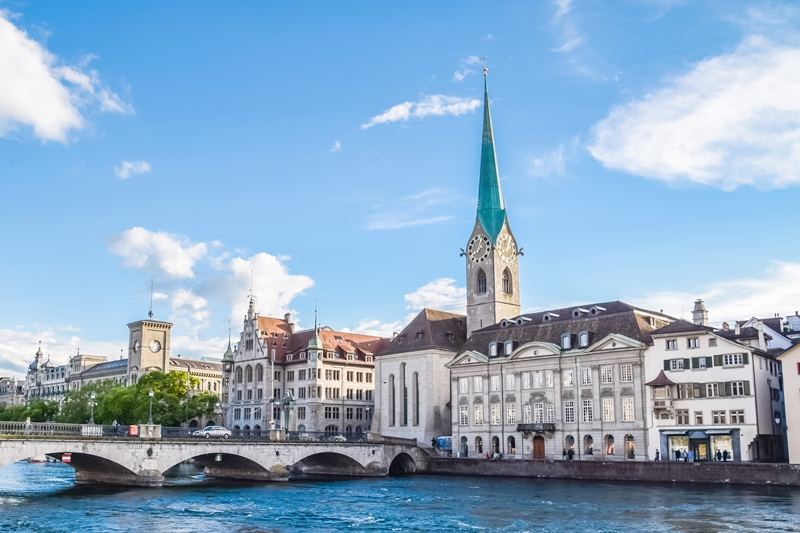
x=747, y=388
x=686, y=364
x=746, y=358
x=718, y=360
x=709, y=362
x=666, y=365
x=699, y=390
x=727, y=388
x=695, y=362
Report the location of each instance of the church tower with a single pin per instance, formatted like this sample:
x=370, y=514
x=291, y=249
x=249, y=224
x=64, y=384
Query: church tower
x=491, y=253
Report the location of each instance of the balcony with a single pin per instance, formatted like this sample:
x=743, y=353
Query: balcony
x=662, y=404
x=530, y=428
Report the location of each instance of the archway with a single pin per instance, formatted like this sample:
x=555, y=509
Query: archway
x=629, y=448
x=495, y=445
x=464, y=447
x=588, y=445
x=194, y=424
x=569, y=443
x=402, y=464
x=332, y=464
x=478, y=445
x=610, y=445
x=511, y=445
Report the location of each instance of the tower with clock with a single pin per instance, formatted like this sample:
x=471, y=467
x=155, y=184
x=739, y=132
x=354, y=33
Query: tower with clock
x=492, y=255
x=148, y=347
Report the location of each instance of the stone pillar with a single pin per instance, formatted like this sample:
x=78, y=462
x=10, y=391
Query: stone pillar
x=277, y=435
x=150, y=431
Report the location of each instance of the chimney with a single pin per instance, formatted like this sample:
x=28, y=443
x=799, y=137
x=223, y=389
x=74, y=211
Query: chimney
x=288, y=319
x=738, y=328
x=762, y=343
x=699, y=314
x=395, y=334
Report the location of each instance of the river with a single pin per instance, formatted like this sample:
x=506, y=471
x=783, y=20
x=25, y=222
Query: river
x=44, y=498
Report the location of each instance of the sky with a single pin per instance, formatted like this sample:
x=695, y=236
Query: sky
x=327, y=154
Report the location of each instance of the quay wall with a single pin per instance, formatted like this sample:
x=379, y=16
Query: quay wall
x=662, y=471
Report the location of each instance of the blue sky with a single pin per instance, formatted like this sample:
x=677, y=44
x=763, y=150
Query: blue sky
x=649, y=151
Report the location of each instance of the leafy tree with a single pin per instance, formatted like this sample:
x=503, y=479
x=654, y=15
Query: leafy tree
x=38, y=410
x=77, y=409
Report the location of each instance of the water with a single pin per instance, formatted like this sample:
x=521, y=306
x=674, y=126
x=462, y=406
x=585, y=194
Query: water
x=44, y=498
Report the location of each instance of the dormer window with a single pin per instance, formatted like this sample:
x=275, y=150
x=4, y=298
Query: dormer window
x=509, y=347
x=579, y=312
x=583, y=339
x=493, y=349
x=547, y=317
x=566, y=341
x=596, y=310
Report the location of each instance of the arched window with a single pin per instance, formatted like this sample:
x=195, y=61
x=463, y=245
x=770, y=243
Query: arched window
x=239, y=375
x=481, y=282
x=629, y=452
x=415, y=393
x=359, y=430
x=478, y=445
x=495, y=445
x=348, y=429
x=259, y=373
x=588, y=445
x=249, y=373
x=331, y=430
x=404, y=392
x=569, y=442
x=511, y=445
x=392, y=401
x=609, y=444
x=301, y=427
x=507, y=284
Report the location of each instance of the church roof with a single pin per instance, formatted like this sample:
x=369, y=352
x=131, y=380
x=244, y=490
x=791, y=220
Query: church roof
x=430, y=329
x=491, y=208
x=117, y=366
x=661, y=381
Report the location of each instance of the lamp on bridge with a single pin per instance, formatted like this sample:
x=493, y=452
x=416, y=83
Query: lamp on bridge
x=369, y=422
x=92, y=396
x=150, y=420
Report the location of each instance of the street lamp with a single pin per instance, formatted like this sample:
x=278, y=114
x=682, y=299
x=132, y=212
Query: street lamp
x=150, y=420
x=369, y=422
x=92, y=396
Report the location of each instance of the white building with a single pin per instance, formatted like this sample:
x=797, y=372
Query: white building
x=790, y=362
x=414, y=383
x=709, y=393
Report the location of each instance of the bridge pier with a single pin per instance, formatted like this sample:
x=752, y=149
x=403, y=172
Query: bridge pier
x=146, y=478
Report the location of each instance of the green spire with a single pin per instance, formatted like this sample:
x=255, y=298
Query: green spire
x=491, y=209
x=315, y=343
x=228, y=355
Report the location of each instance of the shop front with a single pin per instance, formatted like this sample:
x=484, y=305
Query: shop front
x=702, y=445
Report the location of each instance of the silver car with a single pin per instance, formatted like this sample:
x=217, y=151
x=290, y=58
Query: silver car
x=212, y=431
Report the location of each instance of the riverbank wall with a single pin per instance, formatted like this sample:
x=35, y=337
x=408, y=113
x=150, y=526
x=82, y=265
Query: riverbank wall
x=662, y=471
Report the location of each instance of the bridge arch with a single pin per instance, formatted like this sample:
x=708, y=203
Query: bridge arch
x=335, y=464
x=402, y=463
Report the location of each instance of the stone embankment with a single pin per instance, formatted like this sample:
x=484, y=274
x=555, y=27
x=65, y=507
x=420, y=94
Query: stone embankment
x=666, y=471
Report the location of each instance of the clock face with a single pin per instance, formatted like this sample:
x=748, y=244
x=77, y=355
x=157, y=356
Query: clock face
x=478, y=249
x=135, y=346
x=155, y=346
x=506, y=247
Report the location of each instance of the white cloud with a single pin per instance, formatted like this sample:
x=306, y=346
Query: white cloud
x=464, y=70
x=377, y=328
x=459, y=75
x=131, y=167
x=777, y=291
x=441, y=294
x=472, y=60
x=570, y=36
x=435, y=104
x=159, y=252
x=337, y=147
x=420, y=209
x=731, y=120
x=553, y=163
x=39, y=93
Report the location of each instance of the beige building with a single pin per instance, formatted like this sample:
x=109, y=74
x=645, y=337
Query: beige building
x=414, y=383
x=11, y=392
x=790, y=360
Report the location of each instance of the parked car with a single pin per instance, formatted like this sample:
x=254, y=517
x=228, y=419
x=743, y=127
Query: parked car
x=337, y=438
x=212, y=431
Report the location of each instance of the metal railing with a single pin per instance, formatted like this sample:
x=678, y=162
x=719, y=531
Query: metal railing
x=324, y=436
x=53, y=429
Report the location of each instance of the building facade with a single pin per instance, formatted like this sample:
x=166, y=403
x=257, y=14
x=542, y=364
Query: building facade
x=414, y=383
x=11, y=392
x=790, y=363
x=329, y=375
x=713, y=396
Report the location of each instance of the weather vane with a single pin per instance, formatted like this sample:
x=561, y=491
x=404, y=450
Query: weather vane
x=485, y=70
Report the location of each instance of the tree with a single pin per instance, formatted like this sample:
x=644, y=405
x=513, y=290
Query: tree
x=38, y=410
x=77, y=409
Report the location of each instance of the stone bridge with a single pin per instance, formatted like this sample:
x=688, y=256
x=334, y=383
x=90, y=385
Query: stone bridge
x=142, y=462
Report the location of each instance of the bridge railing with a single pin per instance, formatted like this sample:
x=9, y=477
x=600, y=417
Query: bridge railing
x=53, y=429
x=324, y=436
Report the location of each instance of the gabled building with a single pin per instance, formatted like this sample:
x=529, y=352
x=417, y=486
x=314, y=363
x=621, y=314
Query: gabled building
x=714, y=391
x=790, y=363
x=547, y=383
x=330, y=375
x=414, y=381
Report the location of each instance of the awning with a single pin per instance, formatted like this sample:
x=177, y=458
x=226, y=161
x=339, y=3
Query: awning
x=719, y=431
x=698, y=435
x=673, y=432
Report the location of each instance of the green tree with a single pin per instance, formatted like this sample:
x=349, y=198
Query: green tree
x=76, y=408
x=38, y=410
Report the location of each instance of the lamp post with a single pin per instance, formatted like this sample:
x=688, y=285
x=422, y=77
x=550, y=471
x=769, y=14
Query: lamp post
x=92, y=396
x=369, y=422
x=150, y=420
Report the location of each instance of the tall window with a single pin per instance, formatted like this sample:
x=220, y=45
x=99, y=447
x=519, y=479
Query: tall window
x=481, y=282
x=507, y=282
x=526, y=380
x=510, y=382
x=607, y=375
x=301, y=413
x=463, y=385
x=538, y=413
x=568, y=381
x=737, y=388
x=392, y=401
x=495, y=413
x=538, y=381
x=548, y=379
x=463, y=415
x=477, y=384
x=551, y=413
x=626, y=373
x=627, y=409
x=248, y=374
x=682, y=417
x=259, y=373
x=588, y=411
x=495, y=382
x=511, y=414
x=479, y=415
x=712, y=390
x=415, y=386
x=586, y=376
x=608, y=409
x=526, y=414
x=569, y=411
x=239, y=375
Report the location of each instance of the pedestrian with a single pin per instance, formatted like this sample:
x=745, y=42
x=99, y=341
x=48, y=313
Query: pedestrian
x=725, y=456
x=564, y=454
x=28, y=426
x=433, y=443
x=658, y=455
x=691, y=456
x=718, y=456
x=677, y=455
x=685, y=456
x=114, y=427
x=571, y=453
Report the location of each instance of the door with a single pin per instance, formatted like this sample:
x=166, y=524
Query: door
x=538, y=449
